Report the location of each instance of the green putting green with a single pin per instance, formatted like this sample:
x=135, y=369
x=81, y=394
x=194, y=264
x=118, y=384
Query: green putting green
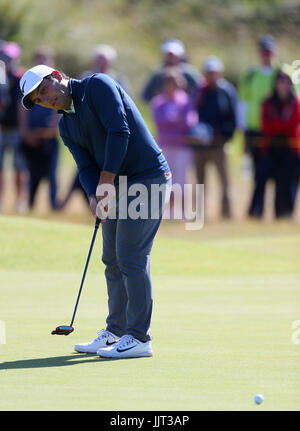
x=222, y=323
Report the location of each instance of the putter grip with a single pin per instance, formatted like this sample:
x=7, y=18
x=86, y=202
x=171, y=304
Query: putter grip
x=98, y=221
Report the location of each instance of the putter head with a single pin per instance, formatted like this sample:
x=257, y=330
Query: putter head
x=63, y=330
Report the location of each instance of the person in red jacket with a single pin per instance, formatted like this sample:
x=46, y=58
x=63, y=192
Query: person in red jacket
x=281, y=147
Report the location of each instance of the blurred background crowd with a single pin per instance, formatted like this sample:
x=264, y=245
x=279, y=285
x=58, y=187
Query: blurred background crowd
x=196, y=113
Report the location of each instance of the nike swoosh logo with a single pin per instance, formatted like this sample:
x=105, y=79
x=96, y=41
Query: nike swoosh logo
x=109, y=344
x=125, y=350
x=23, y=87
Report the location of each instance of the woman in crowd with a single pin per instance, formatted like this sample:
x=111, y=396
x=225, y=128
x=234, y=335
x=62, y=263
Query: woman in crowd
x=281, y=146
x=174, y=114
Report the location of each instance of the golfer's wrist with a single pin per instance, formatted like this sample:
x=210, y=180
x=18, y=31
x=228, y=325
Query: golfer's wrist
x=92, y=197
x=107, y=178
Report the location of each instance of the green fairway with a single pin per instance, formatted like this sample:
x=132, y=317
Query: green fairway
x=223, y=311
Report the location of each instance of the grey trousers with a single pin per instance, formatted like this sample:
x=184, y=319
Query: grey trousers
x=127, y=245
x=217, y=156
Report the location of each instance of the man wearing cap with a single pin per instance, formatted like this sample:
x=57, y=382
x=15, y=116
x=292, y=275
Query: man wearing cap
x=216, y=104
x=173, y=52
x=103, y=59
x=254, y=87
x=109, y=140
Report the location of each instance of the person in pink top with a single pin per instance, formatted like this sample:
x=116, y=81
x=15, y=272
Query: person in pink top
x=174, y=114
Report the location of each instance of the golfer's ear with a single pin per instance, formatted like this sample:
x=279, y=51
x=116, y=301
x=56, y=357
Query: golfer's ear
x=56, y=74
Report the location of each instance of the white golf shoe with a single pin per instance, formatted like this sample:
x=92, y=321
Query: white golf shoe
x=104, y=339
x=127, y=347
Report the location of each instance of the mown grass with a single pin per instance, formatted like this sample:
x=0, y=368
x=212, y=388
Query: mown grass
x=221, y=323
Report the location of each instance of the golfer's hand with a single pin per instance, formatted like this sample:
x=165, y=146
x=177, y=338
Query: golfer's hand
x=93, y=204
x=105, y=195
x=99, y=207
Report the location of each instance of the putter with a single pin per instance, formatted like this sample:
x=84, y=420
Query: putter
x=63, y=329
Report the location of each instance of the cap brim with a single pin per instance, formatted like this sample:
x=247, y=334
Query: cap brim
x=175, y=52
x=213, y=69
x=267, y=48
x=26, y=101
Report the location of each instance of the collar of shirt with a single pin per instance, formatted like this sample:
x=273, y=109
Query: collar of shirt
x=71, y=110
x=266, y=70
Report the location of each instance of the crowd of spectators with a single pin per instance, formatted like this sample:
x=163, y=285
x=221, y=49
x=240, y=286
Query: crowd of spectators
x=196, y=112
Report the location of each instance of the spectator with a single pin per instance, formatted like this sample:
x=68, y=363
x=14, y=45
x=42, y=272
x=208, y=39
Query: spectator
x=75, y=186
x=216, y=103
x=173, y=52
x=10, y=53
x=40, y=143
x=280, y=152
x=254, y=87
x=4, y=89
x=174, y=114
x=4, y=101
x=103, y=58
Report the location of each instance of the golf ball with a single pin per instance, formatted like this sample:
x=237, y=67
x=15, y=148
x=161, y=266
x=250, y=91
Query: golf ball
x=258, y=398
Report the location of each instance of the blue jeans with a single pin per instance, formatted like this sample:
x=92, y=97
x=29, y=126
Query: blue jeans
x=127, y=245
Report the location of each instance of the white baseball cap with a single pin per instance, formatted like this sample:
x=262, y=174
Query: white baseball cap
x=107, y=51
x=213, y=64
x=173, y=46
x=31, y=80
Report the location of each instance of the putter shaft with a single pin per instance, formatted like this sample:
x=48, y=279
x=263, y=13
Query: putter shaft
x=85, y=268
x=66, y=330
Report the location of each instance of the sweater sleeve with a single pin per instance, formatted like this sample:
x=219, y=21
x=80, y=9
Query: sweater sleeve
x=152, y=87
x=88, y=170
x=244, y=90
x=233, y=111
x=105, y=99
x=191, y=115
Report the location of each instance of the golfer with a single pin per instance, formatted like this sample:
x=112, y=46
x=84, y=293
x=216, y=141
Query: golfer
x=109, y=141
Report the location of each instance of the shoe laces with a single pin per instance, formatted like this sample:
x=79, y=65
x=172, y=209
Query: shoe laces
x=126, y=340
x=102, y=334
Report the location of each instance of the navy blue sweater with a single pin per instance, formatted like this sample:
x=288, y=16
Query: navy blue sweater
x=107, y=132
x=217, y=107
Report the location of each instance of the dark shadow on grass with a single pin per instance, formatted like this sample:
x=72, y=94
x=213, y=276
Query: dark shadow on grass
x=55, y=361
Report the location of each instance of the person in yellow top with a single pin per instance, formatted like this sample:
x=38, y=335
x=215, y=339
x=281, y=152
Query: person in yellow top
x=254, y=87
